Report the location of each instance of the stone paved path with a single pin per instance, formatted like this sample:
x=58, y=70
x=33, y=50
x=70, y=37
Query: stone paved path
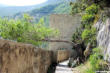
x=63, y=68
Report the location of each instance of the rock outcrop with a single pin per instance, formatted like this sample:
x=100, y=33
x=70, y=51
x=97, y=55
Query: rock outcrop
x=103, y=37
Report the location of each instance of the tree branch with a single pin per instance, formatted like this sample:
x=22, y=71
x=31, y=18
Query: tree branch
x=51, y=40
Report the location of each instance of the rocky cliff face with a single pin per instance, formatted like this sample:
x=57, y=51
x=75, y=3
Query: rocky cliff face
x=103, y=37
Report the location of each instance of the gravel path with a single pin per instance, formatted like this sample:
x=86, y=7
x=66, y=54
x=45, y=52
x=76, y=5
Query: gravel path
x=63, y=68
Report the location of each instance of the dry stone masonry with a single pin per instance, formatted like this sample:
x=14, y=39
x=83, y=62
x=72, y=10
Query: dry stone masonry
x=25, y=58
x=66, y=24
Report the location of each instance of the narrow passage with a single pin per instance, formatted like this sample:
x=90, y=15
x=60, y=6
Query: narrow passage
x=63, y=68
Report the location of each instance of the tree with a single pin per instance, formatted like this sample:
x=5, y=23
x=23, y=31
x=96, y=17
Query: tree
x=24, y=30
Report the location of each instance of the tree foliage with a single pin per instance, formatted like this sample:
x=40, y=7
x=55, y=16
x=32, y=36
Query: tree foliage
x=23, y=30
x=89, y=36
x=77, y=7
x=92, y=9
x=86, y=32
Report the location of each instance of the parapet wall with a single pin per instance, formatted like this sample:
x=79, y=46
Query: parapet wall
x=25, y=58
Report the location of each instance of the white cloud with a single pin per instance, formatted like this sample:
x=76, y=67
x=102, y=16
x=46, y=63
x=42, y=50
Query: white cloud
x=21, y=2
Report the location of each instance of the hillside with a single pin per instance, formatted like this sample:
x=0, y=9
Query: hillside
x=12, y=10
x=52, y=7
x=61, y=7
x=8, y=11
x=17, y=10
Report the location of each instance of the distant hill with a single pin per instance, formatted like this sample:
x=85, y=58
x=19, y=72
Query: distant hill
x=50, y=7
x=9, y=11
x=12, y=10
x=45, y=8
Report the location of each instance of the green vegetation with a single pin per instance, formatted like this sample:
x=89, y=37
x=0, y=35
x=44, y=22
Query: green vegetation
x=23, y=30
x=90, y=11
x=76, y=38
x=77, y=7
x=96, y=62
x=93, y=9
x=50, y=6
x=54, y=7
x=89, y=35
x=63, y=8
x=89, y=16
x=60, y=7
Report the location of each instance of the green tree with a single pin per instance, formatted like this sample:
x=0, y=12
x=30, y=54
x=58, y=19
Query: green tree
x=23, y=30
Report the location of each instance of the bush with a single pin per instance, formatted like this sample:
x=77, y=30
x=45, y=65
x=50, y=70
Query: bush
x=77, y=36
x=87, y=17
x=77, y=7
x=87, y=20
x=89, y=35
x=93, y=9
x=96, y=61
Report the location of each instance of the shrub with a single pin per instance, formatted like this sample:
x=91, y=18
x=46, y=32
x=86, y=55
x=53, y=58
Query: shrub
x=77, y=36
x=96, y=62
x=86, y=34
x=89, y=35
x=87, y=20
x=93, y=9
x=77, y=7
x=87, y=17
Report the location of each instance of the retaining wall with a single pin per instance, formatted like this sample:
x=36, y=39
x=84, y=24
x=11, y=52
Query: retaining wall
x=25, y=58
x=66, y=24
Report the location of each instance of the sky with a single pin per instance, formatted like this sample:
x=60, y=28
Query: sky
x=21, y=2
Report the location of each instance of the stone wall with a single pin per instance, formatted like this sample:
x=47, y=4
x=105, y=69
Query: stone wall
x=62, y=55
x=25, y=58
x=66, y=24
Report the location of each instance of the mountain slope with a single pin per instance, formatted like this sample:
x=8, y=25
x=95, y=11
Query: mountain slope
x=8, y=11
x=48, y=7
x=12, y=10
x=52, y=7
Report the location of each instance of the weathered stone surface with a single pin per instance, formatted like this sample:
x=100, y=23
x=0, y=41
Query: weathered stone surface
x=87, y=51
x=103, y=37
x=66, y=24
x=62, y=55
x=25, y=58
